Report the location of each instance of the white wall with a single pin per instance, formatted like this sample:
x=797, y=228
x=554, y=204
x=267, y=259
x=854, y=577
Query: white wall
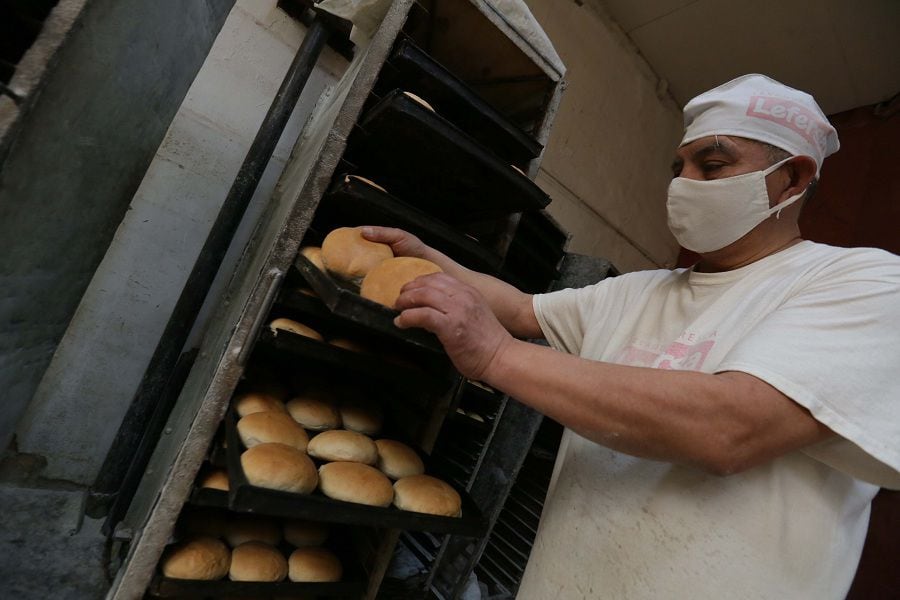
x=606, y=166
x=102, y=357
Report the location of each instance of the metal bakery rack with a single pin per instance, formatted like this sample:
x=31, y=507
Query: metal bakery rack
x=455, y=170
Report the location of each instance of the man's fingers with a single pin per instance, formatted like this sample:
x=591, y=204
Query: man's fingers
x=424, y=317
x=424, y=296
x=385, y=235
x=440, y=281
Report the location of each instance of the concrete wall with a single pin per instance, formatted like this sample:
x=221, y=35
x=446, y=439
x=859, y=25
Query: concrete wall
x=75, y=163
x=606, y=166
x=103, y=355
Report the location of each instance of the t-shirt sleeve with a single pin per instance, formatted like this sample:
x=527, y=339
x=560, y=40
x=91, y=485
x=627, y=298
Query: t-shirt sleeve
x=564, y=316
x=834, y=348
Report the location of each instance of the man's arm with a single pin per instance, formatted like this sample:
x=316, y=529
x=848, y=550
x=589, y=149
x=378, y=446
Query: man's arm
x=722, y=423
x=512, y=307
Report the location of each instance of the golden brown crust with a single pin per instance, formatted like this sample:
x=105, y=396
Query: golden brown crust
x=384, y=282
x=349, y=256
x=271, y=426
x=255, y=561
x=343, y=445
x=217, y=479
x=254, y=402
x=426, y=494
x=242, y=528
x=397, y=460
x=202, y=557
x=314, y=565
x=314, y=255
x=355, y=482
x=362, y=418
x=315, y=409
x=279, y=467
x=294, y=327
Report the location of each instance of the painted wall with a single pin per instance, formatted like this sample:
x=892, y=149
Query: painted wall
x=106, y=348
x=75, y=163
x=606, y=166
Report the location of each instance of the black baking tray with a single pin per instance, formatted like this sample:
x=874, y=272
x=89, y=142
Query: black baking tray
x=244, y=497
x=428, y=162
x=351, y=202
x=209, y=497
x=344, y=301
x=164, y=587
x=410, y=68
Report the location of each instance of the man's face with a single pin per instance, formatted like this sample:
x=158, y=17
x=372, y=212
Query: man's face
x=718, y=157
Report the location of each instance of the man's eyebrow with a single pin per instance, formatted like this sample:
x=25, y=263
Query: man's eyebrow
x=713, y=148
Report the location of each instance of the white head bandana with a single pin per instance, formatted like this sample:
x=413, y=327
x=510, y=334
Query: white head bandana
x=759, y=108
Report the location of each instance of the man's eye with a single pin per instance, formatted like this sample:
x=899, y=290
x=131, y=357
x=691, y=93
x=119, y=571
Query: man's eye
x=712, y=167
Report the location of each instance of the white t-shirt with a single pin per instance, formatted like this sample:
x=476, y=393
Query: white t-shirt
x=821, y=324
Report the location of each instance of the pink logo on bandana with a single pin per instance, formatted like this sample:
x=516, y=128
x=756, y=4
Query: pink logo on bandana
x=791, y=115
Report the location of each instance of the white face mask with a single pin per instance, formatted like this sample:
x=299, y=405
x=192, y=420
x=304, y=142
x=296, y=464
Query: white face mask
x=708, y=215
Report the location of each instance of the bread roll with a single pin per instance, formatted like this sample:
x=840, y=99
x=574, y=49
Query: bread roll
x=419, y=100
x=294, y=327
x=254, y=402
x=300, y=533
x=315, y=409
x=279, y=467
x=255, y=561
x=397, y=460
x=314, y=565
x=349, y=256
x=362, y=418
x=314, y=255
x=384, y=282
x=202, y=557
x=343, y=445
x=369, y=182
x=426, y=494
x=355, y=482
x=216, y=479
x=243, y=528
x=271, y=426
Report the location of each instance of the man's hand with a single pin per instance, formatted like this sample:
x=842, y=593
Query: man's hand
x=401, y=242
x=459, y=316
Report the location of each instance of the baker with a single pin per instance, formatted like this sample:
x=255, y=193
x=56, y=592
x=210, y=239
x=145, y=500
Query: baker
x=728, y=424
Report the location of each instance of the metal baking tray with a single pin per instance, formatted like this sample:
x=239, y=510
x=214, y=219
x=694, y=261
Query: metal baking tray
x=244, y=497
x=351, y=202
x=209, y=497
x=164, y=587
x=410, y=68
x=429, y=163
x=346, y=302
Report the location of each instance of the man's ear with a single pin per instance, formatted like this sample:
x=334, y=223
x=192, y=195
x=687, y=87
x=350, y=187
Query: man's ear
x=801, y=170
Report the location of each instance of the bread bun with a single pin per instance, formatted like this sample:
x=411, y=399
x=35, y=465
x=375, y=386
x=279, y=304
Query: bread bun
x=294, y=327
x=384, y=282
x=355, y=482
x=419, y=101
x=362, y=418
x=243, y=528
x=314, y=255
x=271, y=426
x=255, y=561
x=279, y=467
x=202, y=557
x=254, y=402
x=349, y=256
x=426, y=494
x=315, y=409
x=314, y=565
x=397, y=460
x=343, y=445
x=216, y=479
x=368, y=182
x=300, y=533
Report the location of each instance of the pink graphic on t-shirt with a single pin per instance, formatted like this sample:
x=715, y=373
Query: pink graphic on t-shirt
x=684, y=355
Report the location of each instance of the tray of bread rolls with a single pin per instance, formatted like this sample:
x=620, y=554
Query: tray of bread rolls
x=412, y=69
x=355, y=200
x=344, y=298
x=322, y=463
x=223, y=554
x=425, y=160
